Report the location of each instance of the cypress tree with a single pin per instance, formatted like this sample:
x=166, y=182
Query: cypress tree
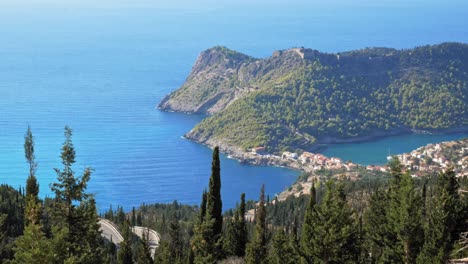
x=242, y=232
x=256, y=252
x=139, y=219
x=203, y=206
x=175, y=240
x=33, y=207
x=133, y=216
x=202, y=243
x=213, y=201
x=32, y=187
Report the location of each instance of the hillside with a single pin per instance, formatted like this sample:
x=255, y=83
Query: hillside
x=299, y=98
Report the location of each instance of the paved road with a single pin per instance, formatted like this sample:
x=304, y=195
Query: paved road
x=110, y=232
x=153, y=237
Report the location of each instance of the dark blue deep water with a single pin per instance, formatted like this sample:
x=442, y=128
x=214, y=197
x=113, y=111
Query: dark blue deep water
x=102, y=68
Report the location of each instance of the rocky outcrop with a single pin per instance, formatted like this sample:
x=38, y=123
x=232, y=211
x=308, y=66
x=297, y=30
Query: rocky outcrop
x=211, y=85
x=221, y=76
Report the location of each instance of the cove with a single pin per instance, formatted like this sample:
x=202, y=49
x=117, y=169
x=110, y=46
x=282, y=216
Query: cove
x=375, y=152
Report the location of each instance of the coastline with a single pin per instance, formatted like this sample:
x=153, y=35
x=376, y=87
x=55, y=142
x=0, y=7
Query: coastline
x=254, y=159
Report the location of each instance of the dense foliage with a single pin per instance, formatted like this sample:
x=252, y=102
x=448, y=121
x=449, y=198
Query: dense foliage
x=344, y=96
x=398, y=220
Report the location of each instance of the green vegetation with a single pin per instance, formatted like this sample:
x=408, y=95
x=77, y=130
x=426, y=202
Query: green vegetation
x=299, y=103
x=399, y=220
x=256, y=251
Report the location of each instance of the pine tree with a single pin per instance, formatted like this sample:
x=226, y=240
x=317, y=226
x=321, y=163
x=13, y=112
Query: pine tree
x=33, y=247
x=445, y=221
x=125, y=255
x=144, y=251
x=73, y=205
x=91, y=242
x=329, y=230
x=256, y=252
x=311, y=216
x=393, y=220
x=404, y=216
x=378, y=236
x=282, y=251
x=213, y=201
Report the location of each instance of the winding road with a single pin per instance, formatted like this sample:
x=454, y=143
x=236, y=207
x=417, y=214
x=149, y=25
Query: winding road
x=109, y=231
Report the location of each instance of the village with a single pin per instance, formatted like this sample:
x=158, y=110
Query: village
x=429, y=159
x=435, y=158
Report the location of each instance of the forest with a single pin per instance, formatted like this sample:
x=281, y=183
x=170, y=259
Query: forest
x=297, y=104
x=400, y=220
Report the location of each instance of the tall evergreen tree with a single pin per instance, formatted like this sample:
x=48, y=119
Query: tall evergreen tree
x=133, y=216
x=32, y=187
x=175, y=240
x=72, y=201
x=236, y=232
x=404, y=216
x=282, y=251
x=203, y=206
x=144, y=250
x=393, y=220
x=446, y=220
x=33, y=207
x=91, y=243
x=213, y=201
x=125, y=255
x=202, y=243
x=329, y=230
x=256, y=252
x=33, y=247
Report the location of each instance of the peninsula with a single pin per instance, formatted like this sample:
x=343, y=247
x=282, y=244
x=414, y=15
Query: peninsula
x=300, y=98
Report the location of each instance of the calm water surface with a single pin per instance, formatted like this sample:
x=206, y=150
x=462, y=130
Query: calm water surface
x=103, y=69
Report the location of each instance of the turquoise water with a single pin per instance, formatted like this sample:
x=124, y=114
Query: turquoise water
x=376, y=152
x=102, y=68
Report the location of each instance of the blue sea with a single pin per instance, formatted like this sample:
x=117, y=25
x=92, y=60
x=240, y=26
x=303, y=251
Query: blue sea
x=102, y=67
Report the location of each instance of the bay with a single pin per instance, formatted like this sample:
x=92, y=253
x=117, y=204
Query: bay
x=376, y=152
x=102, y=66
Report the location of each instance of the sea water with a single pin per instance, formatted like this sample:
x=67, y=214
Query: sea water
x=101, y=68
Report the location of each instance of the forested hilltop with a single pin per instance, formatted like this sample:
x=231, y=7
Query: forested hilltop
x=300, y=97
